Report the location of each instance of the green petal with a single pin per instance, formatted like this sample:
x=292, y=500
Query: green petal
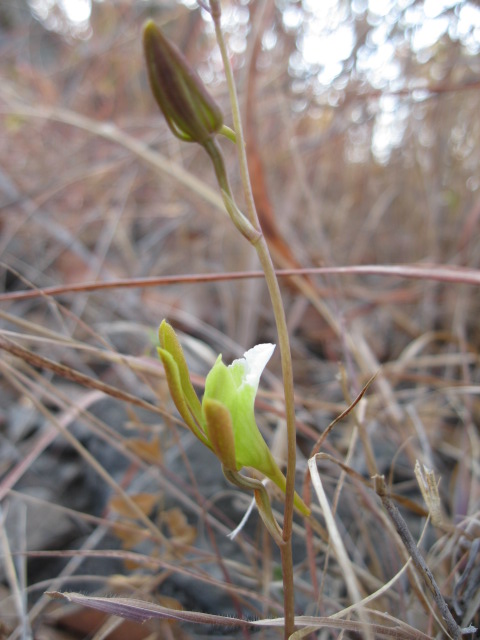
x=251, y=448
x=169, y=342
x=177, y=393
x=224, y=384
x=219, y=384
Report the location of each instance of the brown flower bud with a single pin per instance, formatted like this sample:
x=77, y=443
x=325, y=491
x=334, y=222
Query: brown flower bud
x=190, y=111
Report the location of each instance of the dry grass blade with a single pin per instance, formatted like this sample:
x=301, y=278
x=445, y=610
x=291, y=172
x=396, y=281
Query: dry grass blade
x=457, y=275
x=141, y=611
x=337, y=544
x=16, y=380
x=110, y=132
x=430, y=582
x=75, y=376
x=13, y=578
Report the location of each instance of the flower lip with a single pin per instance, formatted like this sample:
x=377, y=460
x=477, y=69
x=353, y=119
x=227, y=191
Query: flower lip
x=252, y=364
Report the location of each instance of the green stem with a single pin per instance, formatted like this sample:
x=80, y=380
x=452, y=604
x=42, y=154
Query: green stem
x=282, y=331
x=261, y=498
x=237, y=121
x=240, y=221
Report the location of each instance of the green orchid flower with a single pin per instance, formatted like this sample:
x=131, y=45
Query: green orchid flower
x=224, y=421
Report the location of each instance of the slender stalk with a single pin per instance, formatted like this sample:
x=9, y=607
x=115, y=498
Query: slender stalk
x=237, y=121
x=261, y=498
x=243, y=224
x=282, y=331
x=404, y=532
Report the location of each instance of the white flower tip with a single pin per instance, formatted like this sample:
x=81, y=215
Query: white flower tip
x=255, y=360
x=259, y=355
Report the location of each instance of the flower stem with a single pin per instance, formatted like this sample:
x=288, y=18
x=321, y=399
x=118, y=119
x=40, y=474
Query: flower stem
x=261, y=498
x=246, y=228
x=282, y=331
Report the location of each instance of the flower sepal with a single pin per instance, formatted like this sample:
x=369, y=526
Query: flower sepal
x=219, y=428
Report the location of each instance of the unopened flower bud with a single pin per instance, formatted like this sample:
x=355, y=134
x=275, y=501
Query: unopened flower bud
x=190, y=111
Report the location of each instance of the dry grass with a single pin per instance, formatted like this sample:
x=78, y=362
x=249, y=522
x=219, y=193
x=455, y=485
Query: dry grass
x=102, y=489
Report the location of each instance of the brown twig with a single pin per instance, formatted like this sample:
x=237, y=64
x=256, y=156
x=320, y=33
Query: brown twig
x=403, y=531
x=460, y=275
x=75, y=376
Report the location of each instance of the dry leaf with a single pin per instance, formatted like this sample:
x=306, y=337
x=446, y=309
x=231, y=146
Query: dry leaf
x=181, y=531
x=129, y=537
x=145, y=502
x=148, y=451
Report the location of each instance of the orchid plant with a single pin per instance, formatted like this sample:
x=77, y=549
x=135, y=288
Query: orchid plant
x=224, y=421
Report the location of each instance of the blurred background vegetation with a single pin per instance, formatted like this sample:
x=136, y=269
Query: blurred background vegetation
x=363, y=137
x=363, y=115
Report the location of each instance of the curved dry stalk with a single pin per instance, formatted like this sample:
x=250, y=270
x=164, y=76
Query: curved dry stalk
x=437, y=273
